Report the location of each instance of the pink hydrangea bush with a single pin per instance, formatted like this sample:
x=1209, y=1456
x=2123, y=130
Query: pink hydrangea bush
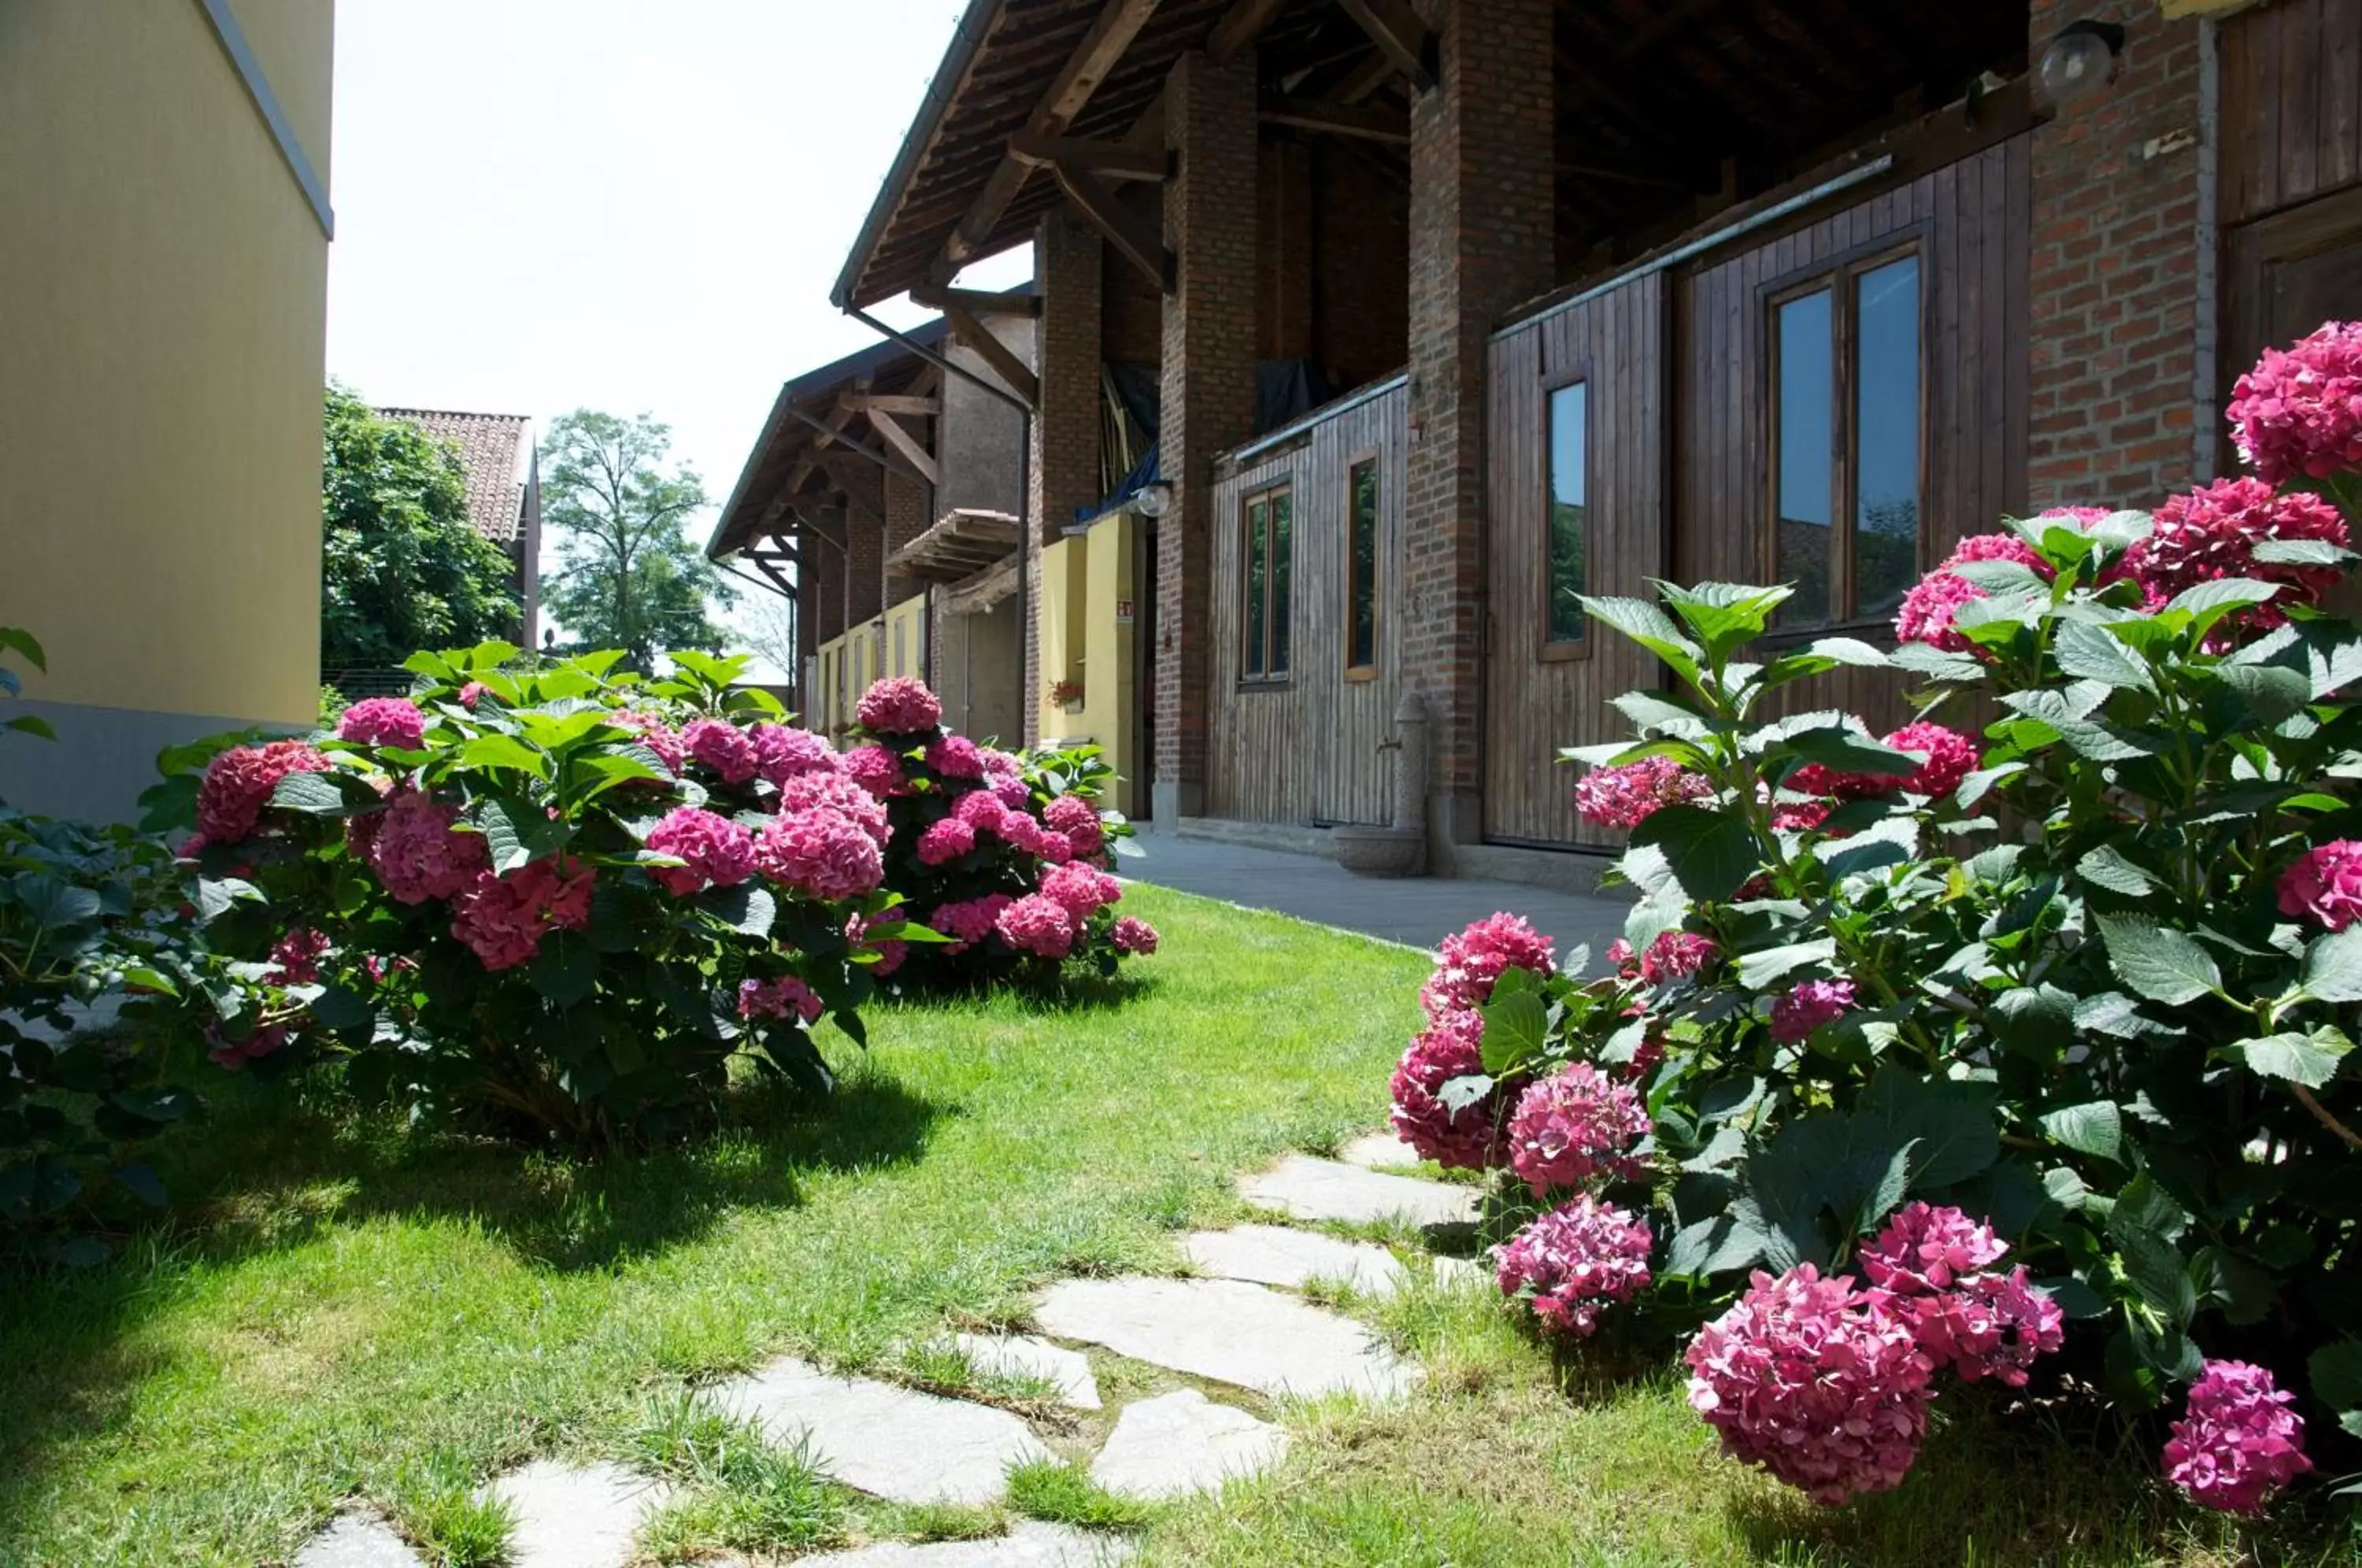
x=1573, y=1263
x=550, y=903
x=1007, y=856
x=1469, y=962
x=2238, y=1442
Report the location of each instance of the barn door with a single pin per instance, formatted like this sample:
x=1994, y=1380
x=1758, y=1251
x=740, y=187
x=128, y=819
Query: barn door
x=1574, y=505
x=2291, y=272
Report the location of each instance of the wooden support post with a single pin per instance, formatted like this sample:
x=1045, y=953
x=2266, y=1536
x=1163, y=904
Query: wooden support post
x=1122, y=228
x=1400, y=35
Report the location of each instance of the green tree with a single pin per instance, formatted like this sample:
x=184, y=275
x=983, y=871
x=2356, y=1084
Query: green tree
x=631, y=578
x=401, y=569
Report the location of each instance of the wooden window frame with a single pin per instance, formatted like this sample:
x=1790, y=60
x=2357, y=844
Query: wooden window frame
x=1269, y=679
x=1572, y=649
x=1369, y=457
x=1840, y=275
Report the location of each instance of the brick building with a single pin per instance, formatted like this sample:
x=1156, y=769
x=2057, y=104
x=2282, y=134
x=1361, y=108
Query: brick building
x=1370, y=334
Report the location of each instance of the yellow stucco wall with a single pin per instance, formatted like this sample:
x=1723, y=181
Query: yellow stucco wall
x=164, y=286
x=1086, y=581
x=905, y=637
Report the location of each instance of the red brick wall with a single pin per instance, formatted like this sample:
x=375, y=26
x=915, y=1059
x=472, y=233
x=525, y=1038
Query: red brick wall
x=1209, y=385
x=2113, y=302
x=865, y=547
x=1481, y=240
x=907, y=504
x=1131, y=329
x=1064, y=471
x=1283, y=251
x=1361, y=264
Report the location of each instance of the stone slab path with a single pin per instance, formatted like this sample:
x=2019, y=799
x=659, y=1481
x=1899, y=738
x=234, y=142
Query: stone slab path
x=1181, y=1442
x=884, y=1440
x=571, y=1515
x=1379, y=1152
x=1273, y=1254
x=1304, y=1187
x=1027, y=1545
x=1225, y=1329
x=356, y=1541
x=1021, y=1355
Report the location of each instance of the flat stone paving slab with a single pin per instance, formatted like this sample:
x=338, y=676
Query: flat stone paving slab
x=358, y=1540
x=1225, y=1329
x=1021, y=1355
x=886, y=1440
x=1273, y=1254
x=1379, y=1152
x=1309, y=1189
x=1027, y=1544
x=569, y=1515
x=1183, y=1442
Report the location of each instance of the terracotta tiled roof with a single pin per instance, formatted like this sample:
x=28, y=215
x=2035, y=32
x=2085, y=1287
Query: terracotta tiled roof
x=488, y=447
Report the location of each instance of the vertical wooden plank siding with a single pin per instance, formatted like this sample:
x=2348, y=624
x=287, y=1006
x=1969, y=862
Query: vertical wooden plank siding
x=2291, y=108
x=1538, y=701
x=1306, y=749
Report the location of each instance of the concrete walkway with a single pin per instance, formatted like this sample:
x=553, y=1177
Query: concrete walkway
x=1416, y=911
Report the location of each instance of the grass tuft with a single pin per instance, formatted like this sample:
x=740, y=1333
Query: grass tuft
x=739, y=1491
x=1061, y=1492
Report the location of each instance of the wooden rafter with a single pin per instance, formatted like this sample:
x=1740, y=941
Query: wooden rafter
x=1364, y=79
x=976, y=303
x=1109, y=160
x=1400, y=35
x=1337, y=119
x=1118, y=23
x=893, y=402
x=958, y=545
x=914, y=451
x=997, y=356
x=1239, y=29
x=1123, y=228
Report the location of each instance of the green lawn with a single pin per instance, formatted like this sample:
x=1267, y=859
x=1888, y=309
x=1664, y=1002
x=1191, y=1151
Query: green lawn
x=340, y=1312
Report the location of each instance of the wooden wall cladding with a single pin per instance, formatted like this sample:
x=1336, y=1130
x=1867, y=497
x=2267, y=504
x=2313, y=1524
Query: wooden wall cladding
x=1307, y=749
x=2291, y=107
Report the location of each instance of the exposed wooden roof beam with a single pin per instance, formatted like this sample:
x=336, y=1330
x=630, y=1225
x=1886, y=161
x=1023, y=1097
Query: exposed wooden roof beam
x=1014, y=373
x=1400, y=35
x=1667, y=20
x=1118, y=23
x=892, y=403
x=1336, y=119
x=1239, y=29
x=1109, y=160
x=1123, y=228
x=913, y=450
x=1364, y=79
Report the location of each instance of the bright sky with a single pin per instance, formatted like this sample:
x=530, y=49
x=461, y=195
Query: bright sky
x=637, y=206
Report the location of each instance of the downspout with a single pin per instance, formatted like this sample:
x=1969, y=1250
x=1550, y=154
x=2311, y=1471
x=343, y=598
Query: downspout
x=2207, y=351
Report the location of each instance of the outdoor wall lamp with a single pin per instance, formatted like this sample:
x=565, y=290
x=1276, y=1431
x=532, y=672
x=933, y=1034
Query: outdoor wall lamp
x=1154, y=499
x=2080, y=59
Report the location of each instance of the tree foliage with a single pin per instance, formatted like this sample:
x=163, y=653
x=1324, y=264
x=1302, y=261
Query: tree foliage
x=631, y=576
x=402, y=567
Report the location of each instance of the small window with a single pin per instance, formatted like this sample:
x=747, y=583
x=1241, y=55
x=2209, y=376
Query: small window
x=1269, y=558
x=1847, y=422
x=1362, y=569
x=1566, y=544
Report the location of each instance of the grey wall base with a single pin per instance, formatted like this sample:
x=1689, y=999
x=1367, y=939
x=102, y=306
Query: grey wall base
x=100, y=762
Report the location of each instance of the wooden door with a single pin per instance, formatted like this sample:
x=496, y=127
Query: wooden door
x=1575, y=503
x=2291, y=272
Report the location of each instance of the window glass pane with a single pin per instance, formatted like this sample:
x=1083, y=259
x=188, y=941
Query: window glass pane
x=1282, y=557
x=1363, y=652
x=1258, y=517
x=1886, y=436
x=1807, y=405
x=1569, y=452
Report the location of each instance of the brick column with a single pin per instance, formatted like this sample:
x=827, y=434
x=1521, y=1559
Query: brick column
x=1481, y=240
x=1064, y=472
x=864, y=542
x=2114, y=309
x=907, y=504
x=1208, y=400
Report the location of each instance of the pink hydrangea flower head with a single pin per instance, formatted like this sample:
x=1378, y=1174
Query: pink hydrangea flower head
x=1469, y=962
x=998, y=763
x=296, y=957
x=1820, y=1385
x=899, y=705
x=1951, y=756
x=944, y=841
x=876, y=770
x=2324, y=885
x=783, y=752
x=1677, y=954
x=238, y=782
x=955, y=757
x=981, y=810
x=1573, y=1262
x=1037, y=925
x=2210, y=534
x=1449, y=1048
x=1133, y=936
x=419, y=852
x=2298, y=413
x=1800, y=816
x=1925, y=1248
x=393, y=722
x=786, y=997
x=1574, y=1125
x=2082, y=517
x=839, y=793
x=1808, y=1006
x=503, y=919
x=1624, y=796
x=1012, y=790
x=657, y=734
x=2238, y=1442
x=891, y=950
x=1990, y=1325
x=233, y=1054
x=715, y=852
x=1077, y=821
x=471, y=694
x=1999, y=547
x=1928, y=609
x=821, y=852
x=722, y=746
x=1623, y=960
x=970, y=920
x=1081, y=891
